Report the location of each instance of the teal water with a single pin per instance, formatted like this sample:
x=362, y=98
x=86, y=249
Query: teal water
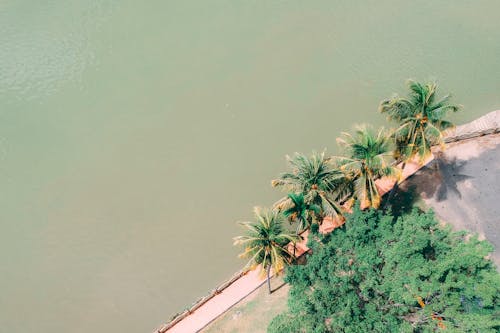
x=134, y=134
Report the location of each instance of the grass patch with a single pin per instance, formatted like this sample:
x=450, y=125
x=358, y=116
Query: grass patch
x=255, y=312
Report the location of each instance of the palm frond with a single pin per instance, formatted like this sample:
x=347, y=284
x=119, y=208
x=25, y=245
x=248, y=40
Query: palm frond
x=421, y=110
x=264, y=240
x=310, y=175
x=369, y=156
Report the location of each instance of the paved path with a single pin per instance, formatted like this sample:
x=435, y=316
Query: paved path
x=219, y=304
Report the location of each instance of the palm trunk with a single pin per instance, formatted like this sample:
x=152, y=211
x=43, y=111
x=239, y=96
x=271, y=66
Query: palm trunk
x=269, y=278
x=297, y=231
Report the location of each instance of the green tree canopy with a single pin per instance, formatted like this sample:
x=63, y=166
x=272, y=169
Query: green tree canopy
x=378, y=274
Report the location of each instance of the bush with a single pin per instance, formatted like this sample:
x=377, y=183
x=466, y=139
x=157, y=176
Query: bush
x=379, y=274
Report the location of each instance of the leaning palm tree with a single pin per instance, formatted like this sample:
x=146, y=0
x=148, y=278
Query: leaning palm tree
x=301, y=212
x=421, y=119
x=369, y=157
x=265, y=242
x=317, y=180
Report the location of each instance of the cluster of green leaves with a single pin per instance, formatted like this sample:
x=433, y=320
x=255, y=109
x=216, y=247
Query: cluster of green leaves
x=381, y=274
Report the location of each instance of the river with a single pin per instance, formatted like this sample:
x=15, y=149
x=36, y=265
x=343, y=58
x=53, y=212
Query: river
x=134, y=134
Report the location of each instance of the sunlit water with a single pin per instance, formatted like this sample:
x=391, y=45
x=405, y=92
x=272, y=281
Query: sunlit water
x=133, y=134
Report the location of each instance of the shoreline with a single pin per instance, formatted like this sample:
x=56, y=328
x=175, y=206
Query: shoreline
x=240, y=285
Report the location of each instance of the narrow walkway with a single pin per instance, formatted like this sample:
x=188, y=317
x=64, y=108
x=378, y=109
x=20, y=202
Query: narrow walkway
x=218, y=304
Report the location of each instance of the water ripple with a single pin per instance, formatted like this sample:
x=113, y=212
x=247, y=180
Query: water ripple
x=36, y=58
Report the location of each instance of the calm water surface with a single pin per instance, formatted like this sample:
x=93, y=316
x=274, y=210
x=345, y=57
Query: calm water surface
x=134, y=134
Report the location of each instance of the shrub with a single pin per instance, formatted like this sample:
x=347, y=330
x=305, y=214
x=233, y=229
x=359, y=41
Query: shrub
x=381, y=274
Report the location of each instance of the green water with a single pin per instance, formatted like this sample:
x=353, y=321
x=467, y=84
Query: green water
x=134, y=134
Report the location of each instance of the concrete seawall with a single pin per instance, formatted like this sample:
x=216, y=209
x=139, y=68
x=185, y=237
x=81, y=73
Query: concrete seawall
x=487, y=124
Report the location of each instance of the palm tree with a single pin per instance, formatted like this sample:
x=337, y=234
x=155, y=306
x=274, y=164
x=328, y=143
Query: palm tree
x=265, y=242
x=301, y=212
x=368, y=158
x=421, y=119
x=317, y=180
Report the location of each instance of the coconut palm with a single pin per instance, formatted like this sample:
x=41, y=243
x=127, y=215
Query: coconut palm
x=301, y=212
x=421, y=119
x=265, y=242
x=369, y=157
x=317, y=180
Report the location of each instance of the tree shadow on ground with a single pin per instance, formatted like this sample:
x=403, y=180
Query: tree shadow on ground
x=402, y=200
x=437, y=179
x=440, y=178
x=278, y=287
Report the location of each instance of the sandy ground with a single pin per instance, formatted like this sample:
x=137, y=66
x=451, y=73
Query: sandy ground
x=462, y=186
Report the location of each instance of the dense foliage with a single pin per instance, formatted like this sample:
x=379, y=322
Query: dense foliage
x=381, y=274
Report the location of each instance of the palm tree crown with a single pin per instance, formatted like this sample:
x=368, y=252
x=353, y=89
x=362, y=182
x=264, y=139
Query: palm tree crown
x=316, y=178
x=301, y=212
x=369, y=157
x=265, y=241
x=421, y=119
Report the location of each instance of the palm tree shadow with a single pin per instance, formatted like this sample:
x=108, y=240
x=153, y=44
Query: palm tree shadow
x=436, y=180
x=440, y=178
x=278, y=287
x=402, y=200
